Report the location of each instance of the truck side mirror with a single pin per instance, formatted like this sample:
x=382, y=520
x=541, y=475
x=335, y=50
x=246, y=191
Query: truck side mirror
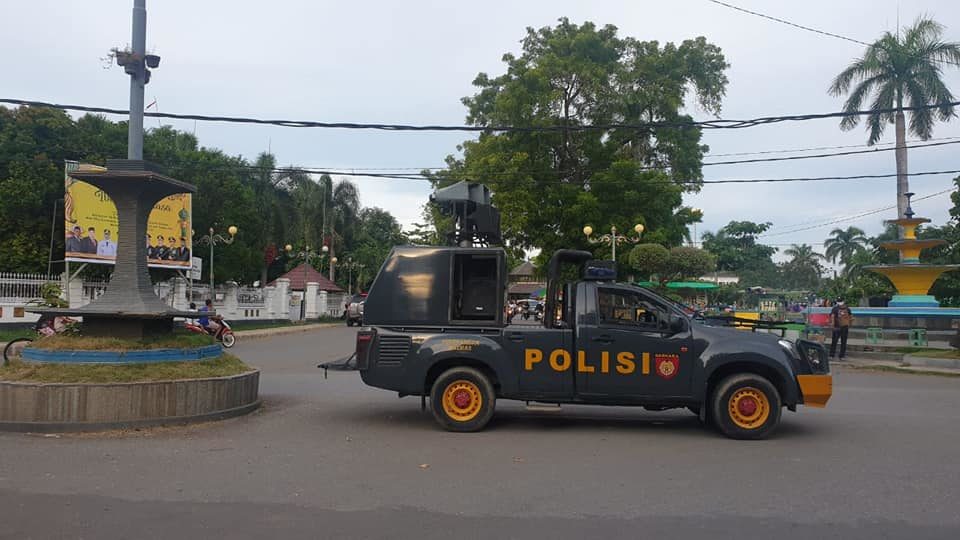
x=677, y=324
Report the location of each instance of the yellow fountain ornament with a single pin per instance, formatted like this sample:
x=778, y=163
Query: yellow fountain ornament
x=912, y=279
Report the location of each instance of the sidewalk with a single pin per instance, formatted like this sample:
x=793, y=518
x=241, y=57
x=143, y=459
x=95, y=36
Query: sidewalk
x=282, y=330
x=908, y=364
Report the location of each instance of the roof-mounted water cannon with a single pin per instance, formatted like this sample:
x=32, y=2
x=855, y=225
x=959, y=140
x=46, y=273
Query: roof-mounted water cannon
x=476, y=221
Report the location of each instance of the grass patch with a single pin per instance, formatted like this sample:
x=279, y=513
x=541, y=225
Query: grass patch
x=223, y=366
x=179, y=340
x=16, y=333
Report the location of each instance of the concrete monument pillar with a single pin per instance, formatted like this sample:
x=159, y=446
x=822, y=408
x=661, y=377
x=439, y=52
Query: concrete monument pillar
x=230, y=301
x=324, y=306
x=310, y=298
x=282, y=300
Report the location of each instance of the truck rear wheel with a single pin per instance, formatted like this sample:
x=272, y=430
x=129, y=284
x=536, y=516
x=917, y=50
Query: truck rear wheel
x=746, y=406
x=462, y=399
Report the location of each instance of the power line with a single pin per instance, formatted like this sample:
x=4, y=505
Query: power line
x=405, y=171
x=704, y=124
x=833, y=154
x=814, y=30
x=856, y=216
x=818, y=148
x=481, y=178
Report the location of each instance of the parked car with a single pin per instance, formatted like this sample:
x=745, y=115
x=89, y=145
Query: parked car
x=353, y=311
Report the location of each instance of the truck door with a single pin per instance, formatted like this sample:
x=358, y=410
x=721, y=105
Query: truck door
x=534, y=349
x=629, y=349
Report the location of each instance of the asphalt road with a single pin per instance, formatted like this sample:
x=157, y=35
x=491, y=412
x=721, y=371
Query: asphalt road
x=335, y=459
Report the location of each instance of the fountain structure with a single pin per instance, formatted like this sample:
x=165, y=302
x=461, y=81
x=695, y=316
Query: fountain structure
x=913, y=316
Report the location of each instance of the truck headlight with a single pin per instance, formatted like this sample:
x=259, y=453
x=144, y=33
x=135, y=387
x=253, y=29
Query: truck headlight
x=790, y=347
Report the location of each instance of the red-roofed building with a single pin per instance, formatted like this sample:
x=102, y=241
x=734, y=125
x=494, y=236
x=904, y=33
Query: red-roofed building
x=305, y=273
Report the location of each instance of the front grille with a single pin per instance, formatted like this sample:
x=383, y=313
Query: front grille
x=392, y=350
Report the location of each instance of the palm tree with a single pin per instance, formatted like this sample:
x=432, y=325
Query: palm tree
x=803, y=269
x=854, y=266
x=843, y=244
x=803, y=256
x=895, y=70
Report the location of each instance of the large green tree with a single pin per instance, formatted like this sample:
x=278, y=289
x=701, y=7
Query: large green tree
x=549, y=184
x=900, y=69
x=737, y=250
x=272, y=206
x=377, y=233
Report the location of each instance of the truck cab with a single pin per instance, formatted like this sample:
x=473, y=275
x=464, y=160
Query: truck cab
x=435, y=328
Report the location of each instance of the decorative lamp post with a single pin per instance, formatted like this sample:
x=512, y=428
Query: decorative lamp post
x=613, y=238
x=306, y=255
x=213, y=239
x=352, y=265
x=695, y=237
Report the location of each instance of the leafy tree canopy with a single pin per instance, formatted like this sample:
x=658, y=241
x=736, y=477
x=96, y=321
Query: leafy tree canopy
x=737, y=250
x=548, y=185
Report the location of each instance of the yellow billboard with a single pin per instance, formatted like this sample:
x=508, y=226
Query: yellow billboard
x=90, y=220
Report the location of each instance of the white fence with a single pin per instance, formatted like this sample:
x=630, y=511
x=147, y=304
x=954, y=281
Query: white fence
x=230, y=300
x=22, y=287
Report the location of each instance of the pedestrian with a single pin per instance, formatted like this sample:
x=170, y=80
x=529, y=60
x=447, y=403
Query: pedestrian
x=840, y=318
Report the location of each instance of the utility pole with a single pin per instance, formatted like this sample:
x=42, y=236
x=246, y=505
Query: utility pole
x=138, y=78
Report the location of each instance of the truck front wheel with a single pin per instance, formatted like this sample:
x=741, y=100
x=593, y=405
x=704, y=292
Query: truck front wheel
x=462, y=399
x=746, y=406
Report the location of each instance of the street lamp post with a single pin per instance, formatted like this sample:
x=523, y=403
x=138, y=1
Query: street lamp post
x=695, y=211
x=352, y=265
x=613, y=238
x=213, y=239
x=306, y=255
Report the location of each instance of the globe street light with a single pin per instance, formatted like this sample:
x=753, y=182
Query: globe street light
x=613, y=238
x=212, y=240
x=306, y=255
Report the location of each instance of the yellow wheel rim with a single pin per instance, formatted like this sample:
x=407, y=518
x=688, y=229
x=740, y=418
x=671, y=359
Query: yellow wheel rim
x=749, y=408
x=462, y=400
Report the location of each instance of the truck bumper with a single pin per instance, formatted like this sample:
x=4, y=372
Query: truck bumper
x=816, y=389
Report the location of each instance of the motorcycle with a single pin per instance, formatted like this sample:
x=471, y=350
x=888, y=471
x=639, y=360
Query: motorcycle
x=48, y=325
x=224, y=334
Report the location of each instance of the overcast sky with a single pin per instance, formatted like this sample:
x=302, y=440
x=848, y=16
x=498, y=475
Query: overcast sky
x=411, y=62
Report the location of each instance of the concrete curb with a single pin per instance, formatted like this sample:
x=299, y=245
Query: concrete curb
x=941, y=363
x=82, y=427
x=46, y=407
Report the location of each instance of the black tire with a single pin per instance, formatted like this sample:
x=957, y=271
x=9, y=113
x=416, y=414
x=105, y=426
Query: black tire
x=349, y=321
x=470, y=381
x=8, y=351
x=228, y=340
x=763, y=407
